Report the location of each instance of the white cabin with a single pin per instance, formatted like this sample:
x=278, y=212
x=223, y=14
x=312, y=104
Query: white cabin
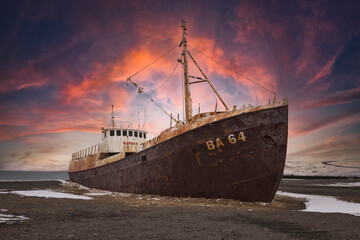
x=116, y=140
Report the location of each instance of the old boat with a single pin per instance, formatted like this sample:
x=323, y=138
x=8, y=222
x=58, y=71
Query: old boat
x=238, y=154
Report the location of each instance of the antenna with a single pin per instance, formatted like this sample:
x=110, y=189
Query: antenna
x=257, y=100
x=171, y=121
x=144, y=125
x=112, y=116
x=138, y=119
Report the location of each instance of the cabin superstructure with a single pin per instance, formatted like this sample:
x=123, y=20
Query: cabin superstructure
x=117, y=142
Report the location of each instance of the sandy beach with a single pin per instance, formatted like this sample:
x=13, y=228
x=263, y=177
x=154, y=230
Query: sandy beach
x=108, y=215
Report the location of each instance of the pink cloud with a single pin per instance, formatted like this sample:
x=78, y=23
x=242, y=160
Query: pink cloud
x=337, y=146
x=325, y=70
x=333, y=99
x=31, y=84
x=305, y=125
x=23, y=78
x=330, y=139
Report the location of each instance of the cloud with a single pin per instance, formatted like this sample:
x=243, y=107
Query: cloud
x=324, y=71
x=64, y=65
x=24, y=156
x=306, y=122
x=339, y=97
x=336, y=148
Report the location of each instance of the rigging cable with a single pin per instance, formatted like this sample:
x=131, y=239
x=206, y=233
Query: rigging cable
x=232, y=70
x=166, y=79
x=153, y=62
x=141, y=90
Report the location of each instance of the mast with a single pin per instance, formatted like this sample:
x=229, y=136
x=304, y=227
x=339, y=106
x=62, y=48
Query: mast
x=188, y=101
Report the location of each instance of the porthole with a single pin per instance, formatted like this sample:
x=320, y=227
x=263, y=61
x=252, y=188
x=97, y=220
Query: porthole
x=269, y=140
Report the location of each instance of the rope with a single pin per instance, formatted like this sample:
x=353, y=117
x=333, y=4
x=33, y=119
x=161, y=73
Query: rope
x=153, y=62
x=166, y=79
x=232, y=70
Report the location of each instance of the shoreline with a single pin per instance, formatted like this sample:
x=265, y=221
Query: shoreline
x=123, y=216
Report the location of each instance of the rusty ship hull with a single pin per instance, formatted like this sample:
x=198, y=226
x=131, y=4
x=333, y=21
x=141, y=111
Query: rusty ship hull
x=240, y=157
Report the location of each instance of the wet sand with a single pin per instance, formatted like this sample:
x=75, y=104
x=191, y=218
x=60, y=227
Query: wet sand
x=133, y=216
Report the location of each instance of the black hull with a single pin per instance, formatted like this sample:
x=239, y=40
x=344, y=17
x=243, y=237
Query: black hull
x=248, y=170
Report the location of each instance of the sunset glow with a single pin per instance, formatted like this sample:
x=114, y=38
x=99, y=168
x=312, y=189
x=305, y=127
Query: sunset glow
x=63, y=64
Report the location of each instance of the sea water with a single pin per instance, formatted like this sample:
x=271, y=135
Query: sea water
x=12, y=176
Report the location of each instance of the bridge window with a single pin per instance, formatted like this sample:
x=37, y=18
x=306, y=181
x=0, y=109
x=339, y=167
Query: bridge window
x=124, y=133
x=135, y=133
x=112, y=133
x=140, y=134
x=144, y=135
x=118, y=133
x=130, y=133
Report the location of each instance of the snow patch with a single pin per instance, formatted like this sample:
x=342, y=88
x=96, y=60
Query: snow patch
x=9, y=218
x=72, y=184
x=325, y=204
x=121, y=194
x=49, y=194
x=153, y=199
x=97, y=193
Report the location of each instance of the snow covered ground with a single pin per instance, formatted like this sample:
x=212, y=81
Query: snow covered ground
x=328, y=168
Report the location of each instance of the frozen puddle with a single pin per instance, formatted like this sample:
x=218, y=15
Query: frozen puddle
x=49, y=194
x=325, y=204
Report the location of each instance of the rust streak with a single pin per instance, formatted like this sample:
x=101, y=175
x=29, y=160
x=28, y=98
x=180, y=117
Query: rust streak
x=197, y=156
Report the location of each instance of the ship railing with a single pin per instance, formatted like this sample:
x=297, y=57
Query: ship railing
x=149, y=143
x=87, y=152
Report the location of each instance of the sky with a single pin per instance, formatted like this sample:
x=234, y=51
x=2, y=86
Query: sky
x=64, y=63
